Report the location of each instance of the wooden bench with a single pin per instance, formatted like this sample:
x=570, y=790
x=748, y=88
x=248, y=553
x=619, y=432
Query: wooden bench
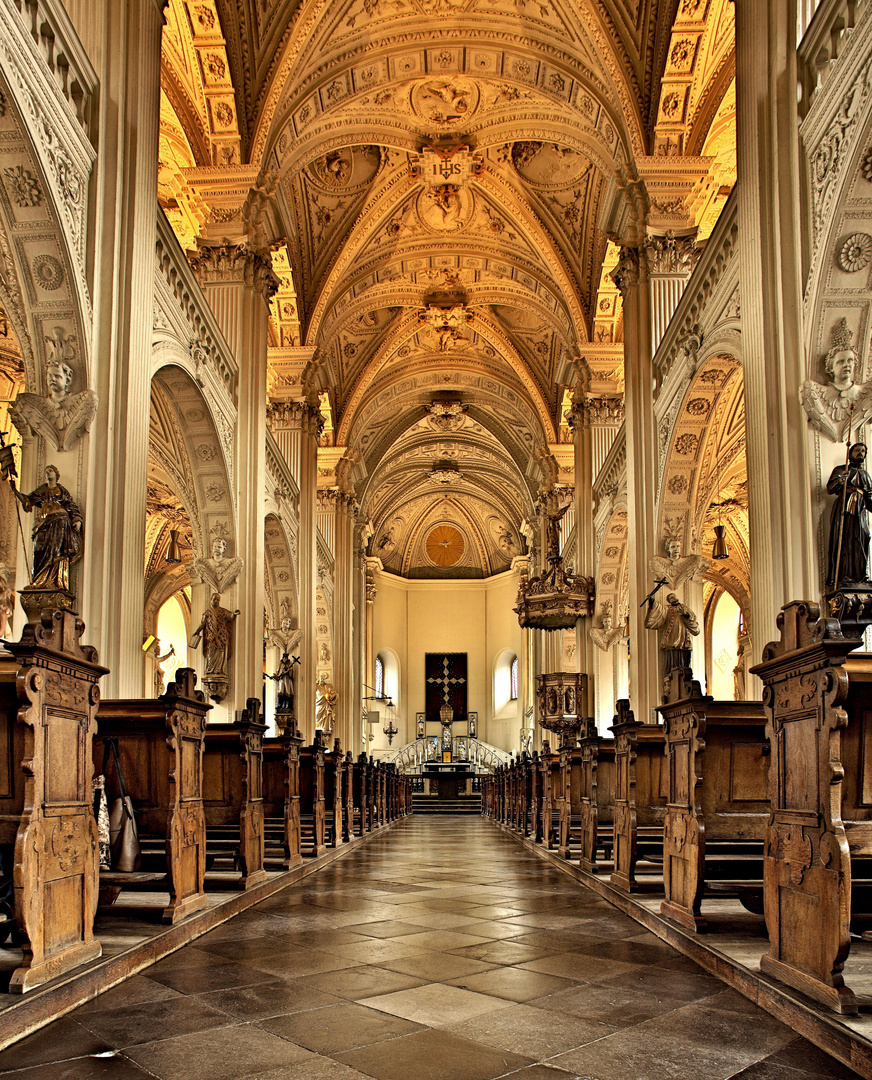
x=281, y=799
x=569, y=842
x=233, y=795
x=334, y=798
x=48, y=703
x=312, y=810
x=641, y=795
x=718, y=768
x=160, y=745
x=549, y=768
x=597, y=805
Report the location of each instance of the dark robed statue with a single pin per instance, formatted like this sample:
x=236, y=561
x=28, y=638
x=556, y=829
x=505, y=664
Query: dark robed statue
x=848, y=552
x=57, y=539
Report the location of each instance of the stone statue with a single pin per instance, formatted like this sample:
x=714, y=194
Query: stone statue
x=219, y=572
x=831, y=405
x=285, y=678
x=325, y=705
x=60, y=417
x=848, y=551
x=57, y=533
x=605, y=635
x=214, y=629
x=552, y=534
x=285, y=637
x=323, y=653
x=739, y=691
x=154, y=652
x=677, y=625
x=674, y=569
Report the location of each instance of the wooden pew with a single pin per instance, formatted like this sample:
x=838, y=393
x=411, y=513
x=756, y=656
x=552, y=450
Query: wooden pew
x=535, y=798
x=718, y=760
x=641, y=793
x=281, y=798
x=161, y=744
x=597, y=806
x=570, y=800
x=818, y=705
x=549, y=766
x=312, y=809
x=348, y=791
x=334, y=800
x=360, y=794
x=48, y=703
x=233, y=794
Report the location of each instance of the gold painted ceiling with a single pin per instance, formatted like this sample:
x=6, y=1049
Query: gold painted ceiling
x=443, y=178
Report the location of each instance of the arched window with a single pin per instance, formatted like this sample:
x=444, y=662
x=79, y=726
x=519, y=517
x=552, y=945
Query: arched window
x=514, y=680
x=726, y=626
x=506, y=681
x=379, y=677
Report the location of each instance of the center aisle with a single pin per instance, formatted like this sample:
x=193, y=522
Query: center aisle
x=441, y=950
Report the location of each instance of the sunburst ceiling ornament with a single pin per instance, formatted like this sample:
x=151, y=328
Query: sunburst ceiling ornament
x=445, y=546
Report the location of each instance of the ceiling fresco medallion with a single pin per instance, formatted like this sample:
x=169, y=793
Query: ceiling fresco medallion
x=445, y=546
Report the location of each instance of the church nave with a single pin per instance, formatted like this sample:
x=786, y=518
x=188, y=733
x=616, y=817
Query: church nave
x=441, y=950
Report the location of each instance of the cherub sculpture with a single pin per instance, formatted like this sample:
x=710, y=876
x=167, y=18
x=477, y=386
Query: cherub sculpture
x=675, y=569
x=831, y=405
x=605, y=635
x=60, y=416
x=220, y=571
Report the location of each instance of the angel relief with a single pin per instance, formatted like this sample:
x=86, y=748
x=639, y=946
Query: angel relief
x=831, y=405
x=60, y=417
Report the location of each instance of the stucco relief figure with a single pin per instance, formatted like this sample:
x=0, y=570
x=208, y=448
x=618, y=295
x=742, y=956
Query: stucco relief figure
x=675, y=569
x=323, y=653
x=61, y=417
x=215, y=631
x=325, y=705
x=831, y=405
x=605, y=635
x=57, y=533
x=219, y=572
x=848, y=551
x=285, y=637
x=506, y=542
x=678, y=627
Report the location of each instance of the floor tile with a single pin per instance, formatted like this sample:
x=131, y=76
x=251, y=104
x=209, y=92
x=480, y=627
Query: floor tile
x=227, y=1054
x=433, y=1055
x=338, y=1028
x=132, y=1024
x=268, y=999
x=436, y=1004
x=521, y=1030
x=359, y=982
x=512, y=983
x=62, y=1039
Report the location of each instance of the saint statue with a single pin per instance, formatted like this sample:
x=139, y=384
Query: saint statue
x=831, y=406
x=154, y=652
x=848, y=552
x=219, y=572
x=285, y=678
x=214, y=629
x=677, y=625
x=57, y=533
x=606, y=635
x=325, y=705
x=674, y=569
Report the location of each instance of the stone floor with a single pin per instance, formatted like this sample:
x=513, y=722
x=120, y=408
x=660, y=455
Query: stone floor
x=441, y=951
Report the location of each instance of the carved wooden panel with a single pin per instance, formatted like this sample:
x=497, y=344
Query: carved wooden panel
x=50, y=744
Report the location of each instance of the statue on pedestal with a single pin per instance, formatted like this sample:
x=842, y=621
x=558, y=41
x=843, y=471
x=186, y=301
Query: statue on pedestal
x=154, y=652
x=677, y=625
x=215, y=630
x=57, y=533
x=285, y=678
x=325, y=705
x=848, y=551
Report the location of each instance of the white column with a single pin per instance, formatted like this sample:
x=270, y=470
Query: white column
x=238, y=282
x=631, y=277
x=124, y=206
x=779, y=491
x=296, y=426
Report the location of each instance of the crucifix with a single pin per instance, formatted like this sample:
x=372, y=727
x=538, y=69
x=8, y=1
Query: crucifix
x=446, y=712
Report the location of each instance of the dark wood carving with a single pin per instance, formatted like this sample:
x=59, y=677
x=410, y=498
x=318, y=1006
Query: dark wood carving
x=597, y=772
x=570, y=797
x=807, y=866
x=233, y=789
x=161, y=744
x=312, y=812
x=50, y=697
x=334, y=770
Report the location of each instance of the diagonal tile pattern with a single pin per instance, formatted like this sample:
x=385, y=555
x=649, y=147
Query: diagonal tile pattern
x=440, y=951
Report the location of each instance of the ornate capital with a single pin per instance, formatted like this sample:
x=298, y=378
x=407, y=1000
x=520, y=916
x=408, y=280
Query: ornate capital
x=593, y=411
x=294, y=414
x=237, y=262
x=671, y=254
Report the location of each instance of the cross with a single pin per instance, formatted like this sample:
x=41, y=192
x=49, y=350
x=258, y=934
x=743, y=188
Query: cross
x=445, y=681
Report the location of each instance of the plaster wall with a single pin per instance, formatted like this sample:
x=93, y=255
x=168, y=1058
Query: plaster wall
x=412, y=618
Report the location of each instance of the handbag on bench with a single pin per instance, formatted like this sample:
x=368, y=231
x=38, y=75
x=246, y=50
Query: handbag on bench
x=123, y=836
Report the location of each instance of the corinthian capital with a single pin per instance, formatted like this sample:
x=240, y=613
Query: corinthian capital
x=237, y=262
x=671, y=254
x=294, y=414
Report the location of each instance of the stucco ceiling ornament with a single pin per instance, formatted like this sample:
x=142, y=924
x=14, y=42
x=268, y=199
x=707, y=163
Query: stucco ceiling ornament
x=446, y=415
x=830, y=405
x=445, y=102
x=437, y=167
x=855, y=253
x=448, y=323
x=60, y=417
